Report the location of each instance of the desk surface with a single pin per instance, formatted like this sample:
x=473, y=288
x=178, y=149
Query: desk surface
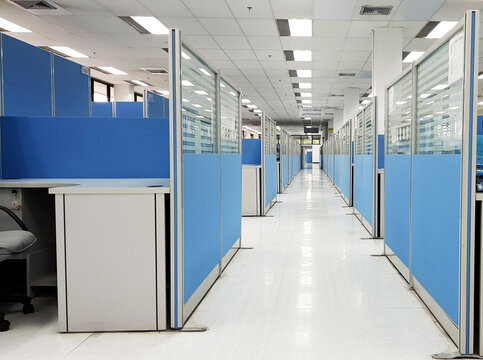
x=91, y=186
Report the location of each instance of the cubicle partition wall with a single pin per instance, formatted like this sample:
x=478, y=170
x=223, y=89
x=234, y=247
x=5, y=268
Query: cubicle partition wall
x=284, y=159
x=205, y=160
x=269, y=162
x=430, y=180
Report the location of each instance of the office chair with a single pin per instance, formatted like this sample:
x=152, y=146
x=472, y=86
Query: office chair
x=13, y=243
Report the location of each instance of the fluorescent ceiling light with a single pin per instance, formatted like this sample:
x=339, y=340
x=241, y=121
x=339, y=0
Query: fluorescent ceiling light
x=246, y=101
x=307, y=106
x=307, y=118
x=233, y=93
x=305, y=85
x=201, y=92
x=257, y=111
x=370, y=95
x=204, y=71
x=480, y=103
x=184, y=100
x=252, y=106
x=187, y=83
x=306, y=94
x=68, y=51
x=185, y=56
x=306, y=101
x=151, y=24
x=222, y=85
x=10, y=26
x=165, y=92
x=480, y=76
x=300, y=27
x=365, y=102
x=140, y=83
x=441, y=29
x=304, y=73
x=197, y=105
x=453, y=108
x=401, y=102
x=302, y=55
x=440, y=87
x=424, y=96
x=112, y=70
x=207, y=110
x=209, y=99
x=413, y=56
x=308, y=126
x=278, y=128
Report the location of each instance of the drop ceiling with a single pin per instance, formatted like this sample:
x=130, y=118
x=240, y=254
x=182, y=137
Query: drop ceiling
x=241, y=39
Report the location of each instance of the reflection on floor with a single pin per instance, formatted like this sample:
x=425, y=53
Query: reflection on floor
x=308, y=290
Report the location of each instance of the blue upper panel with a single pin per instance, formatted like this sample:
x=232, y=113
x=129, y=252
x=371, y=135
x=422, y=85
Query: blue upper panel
x=380, y=151
x=158, y=106
x=26, y=79
x=129, y=109
x=71, y=88
x=251, y=151
x=66, y=147
x=101, y=109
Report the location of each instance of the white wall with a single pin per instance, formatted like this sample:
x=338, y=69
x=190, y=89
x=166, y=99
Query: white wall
x=315, y=153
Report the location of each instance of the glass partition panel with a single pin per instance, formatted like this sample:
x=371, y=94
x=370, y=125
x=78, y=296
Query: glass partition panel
x=399, y=116
x=359, y=133
x=199, y=105
x=230, y=119
x=368, y=131
x=440, y=99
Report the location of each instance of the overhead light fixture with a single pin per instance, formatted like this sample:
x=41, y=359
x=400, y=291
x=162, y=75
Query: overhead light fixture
x=440, y=87
x=204, y=71
x=306, y=106
x=401, y=102
x=187, y=83
x=480, y=102
x=222, y=85
x=197, y=105
x=207, y=110
x=140, y=83
x=232, y=93
x=424, y=96
x=306, y=94
x=480, y=75
x=365, y=102
x=151, y=24
x=201, y=92
x=68, y=51
x=251, y=106
x=441, y=29
x=185, y=56
x=10, y=26
x=246, y=101
x=209, y=99
x=302, y=55
x=413, y=56
x=300, y=27
x=305, y=85
x=257, y=111
x=164, y=92
x=306, y=101
x=307, y=118
x=278, y=128
x=184, y=100
x=112, y=70
x=304, y=73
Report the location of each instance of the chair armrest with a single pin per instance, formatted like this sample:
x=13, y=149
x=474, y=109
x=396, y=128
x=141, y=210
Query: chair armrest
x=14, y=217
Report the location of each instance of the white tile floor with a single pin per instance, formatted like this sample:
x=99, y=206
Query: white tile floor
x=308, y=290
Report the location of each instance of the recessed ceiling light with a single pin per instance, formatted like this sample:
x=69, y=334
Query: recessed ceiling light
x=187, y=83
x=300, y=27
x=365, y=102
x=246, y=101
x=140, y=83
x=207, y=110
x=68, y=51
x=302, y=55
x=257, y=111
x=441, y=29
x=185, y=56
x=232, y=93
x=10, y=26
x=222, y=85
x=401, y=102
x=305, y=85
x=251, y=106
x=304, y=73
x=197, y=105
x=440, y=87
x=204, y=71
x=184, y=100
x=151, y=24
x=307, y=118
x=306, y=101
x=424, y=96
x=480, y=103
x=413, y=56
x=164, y=92
x=112, y=70
x=306, y=94
x=480, y=76
x=201, y=92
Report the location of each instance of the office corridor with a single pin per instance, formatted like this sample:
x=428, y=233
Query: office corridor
x=309, y=289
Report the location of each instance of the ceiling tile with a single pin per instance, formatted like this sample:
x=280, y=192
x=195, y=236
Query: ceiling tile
x=241, y=54
x=289, y=9
x=419, y=44
x=265, y=42
x=331, y=28
x=217, y=26
x=212, y=8
x=417, y=10
x=256, y=27
x=296, y=43
x=358, y=44
x=201, y=41
x=214, y=54
x=273, y=55
x=364, y=28
x=187, y=25
x=232, y=42
x=259, y=8
x=328, y=44
x=334, y=10
x=242, y=65
x=121, y=8
x=166, y=8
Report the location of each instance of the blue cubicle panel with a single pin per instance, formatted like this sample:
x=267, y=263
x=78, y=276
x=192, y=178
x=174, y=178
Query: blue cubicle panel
x=397, y=205
x=158, y=106
x=231, y=184
x=101, y=109
x=309, y=157
x=71, y=88
x=129, y=109
x=252, y=151
x=344, y=175
x=26, y=77
x=285, y=171
x=270, y=178
x=435, y=217
x=363, y=186
x=380, y=151
x=67, y=147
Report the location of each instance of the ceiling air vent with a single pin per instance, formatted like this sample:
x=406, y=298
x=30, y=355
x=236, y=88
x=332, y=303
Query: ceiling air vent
x=346, y=74
x=35, y=5
x=375, y=10
x=157, y=71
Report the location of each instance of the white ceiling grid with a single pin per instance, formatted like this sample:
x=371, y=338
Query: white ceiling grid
x=243, y=43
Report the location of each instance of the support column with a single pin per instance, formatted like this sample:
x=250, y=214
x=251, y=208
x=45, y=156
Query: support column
x=386, y=65
x=124, y=92
x=338, y=120
x=330, y=128
x=351, y=104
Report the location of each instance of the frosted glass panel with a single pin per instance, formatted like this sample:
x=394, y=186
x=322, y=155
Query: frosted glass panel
x=398, y=132
x=368, y=130
x=359, y=140
x=230, y=119
x=199, y=105
x=270, y=136
x=440, y=99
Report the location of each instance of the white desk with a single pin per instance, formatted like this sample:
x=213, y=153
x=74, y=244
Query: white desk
x=111, y=252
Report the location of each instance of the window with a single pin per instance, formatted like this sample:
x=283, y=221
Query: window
x=101, y=91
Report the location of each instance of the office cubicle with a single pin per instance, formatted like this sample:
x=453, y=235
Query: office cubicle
x=431, y=131
x=205, y=158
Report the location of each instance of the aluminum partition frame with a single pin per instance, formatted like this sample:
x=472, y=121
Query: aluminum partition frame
x=262, y=144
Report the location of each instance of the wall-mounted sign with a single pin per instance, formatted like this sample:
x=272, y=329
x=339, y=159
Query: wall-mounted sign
x=313, y=112
x=311, y=130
